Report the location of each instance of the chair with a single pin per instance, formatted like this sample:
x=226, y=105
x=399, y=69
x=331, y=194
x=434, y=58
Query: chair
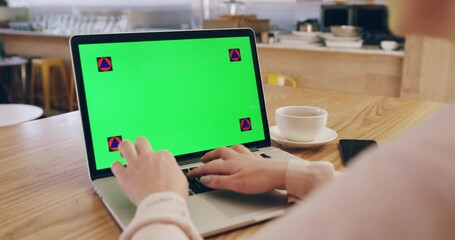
x=45, y=66
x=279, y=79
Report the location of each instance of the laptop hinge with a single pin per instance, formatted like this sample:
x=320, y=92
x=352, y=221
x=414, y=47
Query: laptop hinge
x=188, y=161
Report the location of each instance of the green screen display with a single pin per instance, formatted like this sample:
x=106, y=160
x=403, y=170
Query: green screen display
x=185, y=96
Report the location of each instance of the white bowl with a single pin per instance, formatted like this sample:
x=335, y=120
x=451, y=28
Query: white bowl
x=389, y=45
x=345, y=31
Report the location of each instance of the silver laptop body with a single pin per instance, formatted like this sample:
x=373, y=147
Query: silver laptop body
x=98, y=61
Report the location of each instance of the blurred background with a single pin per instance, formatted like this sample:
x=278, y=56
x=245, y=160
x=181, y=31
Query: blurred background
x=341, y=45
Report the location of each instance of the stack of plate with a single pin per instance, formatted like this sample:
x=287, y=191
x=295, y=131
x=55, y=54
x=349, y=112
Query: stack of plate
x=332, y=41
x=301, y=38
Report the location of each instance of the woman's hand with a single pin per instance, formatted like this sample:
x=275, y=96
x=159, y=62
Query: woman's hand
x=241, y=171
x=147, y=171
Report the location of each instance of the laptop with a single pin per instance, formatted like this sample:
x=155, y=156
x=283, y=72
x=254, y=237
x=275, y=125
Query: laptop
x=188, y=92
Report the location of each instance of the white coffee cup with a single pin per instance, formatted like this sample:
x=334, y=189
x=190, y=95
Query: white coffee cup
x=301, y=123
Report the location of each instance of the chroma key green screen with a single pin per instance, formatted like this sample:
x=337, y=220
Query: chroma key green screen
x=185, y=96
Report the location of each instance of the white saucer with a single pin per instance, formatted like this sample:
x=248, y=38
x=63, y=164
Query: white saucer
x=331, y=37
x=326, y=136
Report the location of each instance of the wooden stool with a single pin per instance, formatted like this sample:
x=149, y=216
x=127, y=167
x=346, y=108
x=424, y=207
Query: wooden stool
x=45, y=65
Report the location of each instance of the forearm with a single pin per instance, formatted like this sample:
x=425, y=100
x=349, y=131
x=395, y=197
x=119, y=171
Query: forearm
x=160, y=231
x=389, y=200
x=161, y=215
x=405, y=190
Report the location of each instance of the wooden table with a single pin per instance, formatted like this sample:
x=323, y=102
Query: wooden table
x=45, y=189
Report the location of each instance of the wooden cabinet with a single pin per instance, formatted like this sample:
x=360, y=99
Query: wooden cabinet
x=30, y=44
x=426, y=70
x=360, y=71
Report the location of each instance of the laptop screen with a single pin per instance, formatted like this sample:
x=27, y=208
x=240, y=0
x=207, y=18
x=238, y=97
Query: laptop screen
x=186, y=95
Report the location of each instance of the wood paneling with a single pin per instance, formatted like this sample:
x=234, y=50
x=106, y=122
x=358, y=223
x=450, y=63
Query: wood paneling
x=429, y=69
x=38, y=46
x=363, y=73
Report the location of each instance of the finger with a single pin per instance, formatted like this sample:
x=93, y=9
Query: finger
x=167, y=156
x=215, y=167
x=241, y=149
x=218, y=182
x=119, y=171
x=143, y=146
x=209, y=156
x=127, y=151
x=222, y=152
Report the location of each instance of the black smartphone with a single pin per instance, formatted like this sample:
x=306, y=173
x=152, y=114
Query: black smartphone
x=350, y=148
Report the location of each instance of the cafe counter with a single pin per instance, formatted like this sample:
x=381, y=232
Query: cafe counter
x=367, y=70
x=36, y=44
x=371, y=71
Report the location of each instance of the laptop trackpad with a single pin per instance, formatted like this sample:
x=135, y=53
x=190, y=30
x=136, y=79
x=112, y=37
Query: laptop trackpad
x=234, y=205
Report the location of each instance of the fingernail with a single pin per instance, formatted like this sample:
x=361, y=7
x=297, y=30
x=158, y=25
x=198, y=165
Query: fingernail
x=205, y=180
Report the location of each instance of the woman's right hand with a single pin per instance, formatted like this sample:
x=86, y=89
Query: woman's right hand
x=238, y=169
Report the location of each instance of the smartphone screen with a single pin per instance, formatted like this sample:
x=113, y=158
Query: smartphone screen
x=350, y=148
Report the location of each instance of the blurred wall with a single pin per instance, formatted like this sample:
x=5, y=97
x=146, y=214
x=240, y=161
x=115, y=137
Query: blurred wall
x=173, y=13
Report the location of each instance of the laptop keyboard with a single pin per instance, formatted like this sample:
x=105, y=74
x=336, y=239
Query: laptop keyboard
x=195, y=185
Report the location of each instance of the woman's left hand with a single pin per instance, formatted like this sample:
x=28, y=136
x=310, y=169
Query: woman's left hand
x=148, y=172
